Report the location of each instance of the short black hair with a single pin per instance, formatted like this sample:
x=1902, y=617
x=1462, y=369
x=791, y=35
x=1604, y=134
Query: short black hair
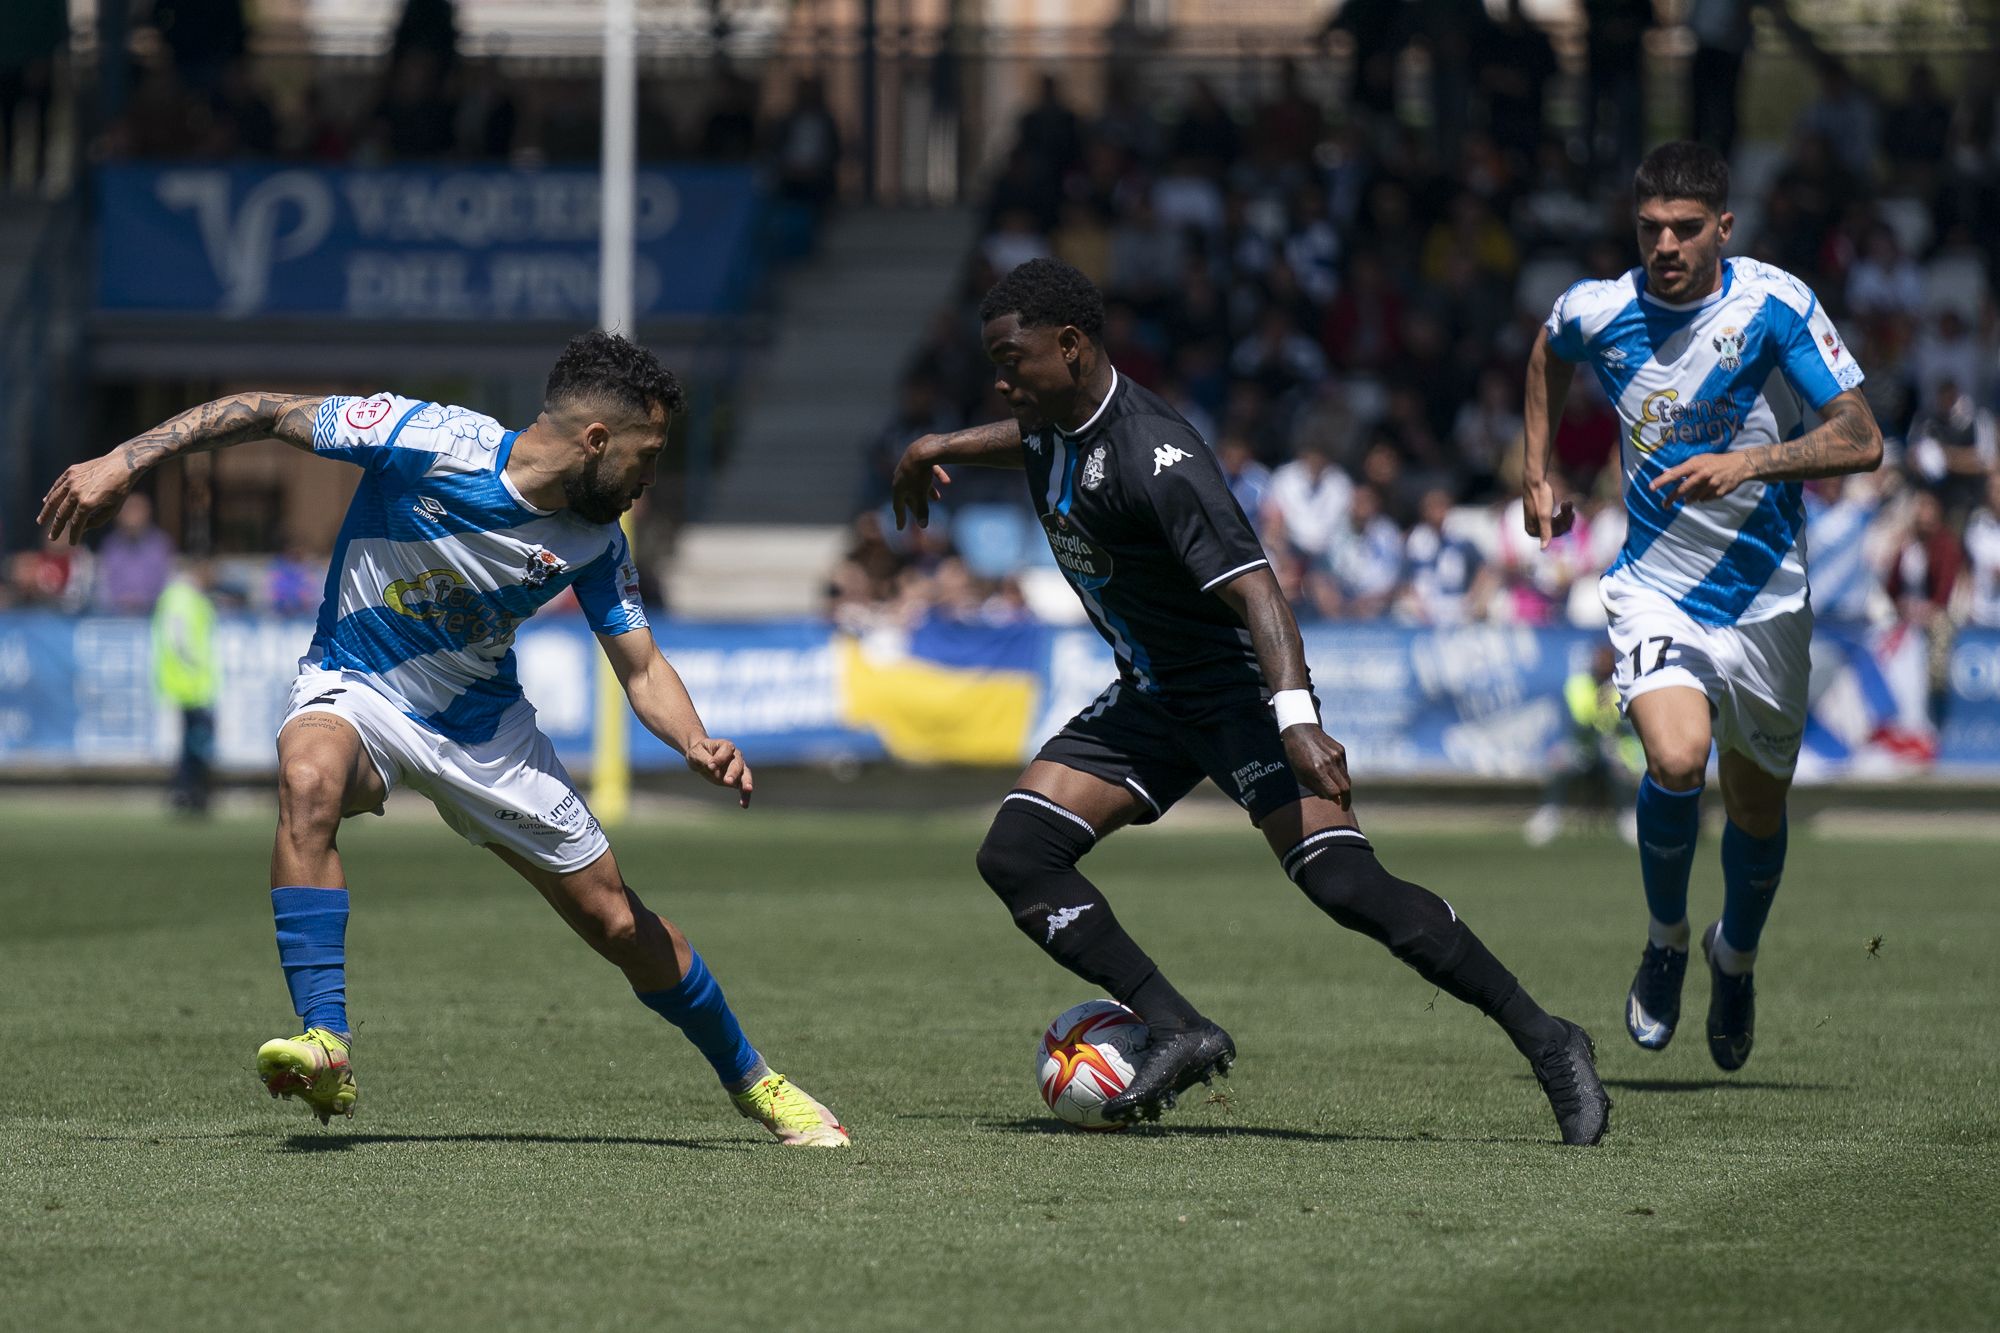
x=1683, y=169
x=606, y=369
x=1046, y=292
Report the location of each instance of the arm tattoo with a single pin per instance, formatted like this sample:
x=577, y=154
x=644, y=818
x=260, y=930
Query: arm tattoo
x=1846, y=441
x=226, y=421
x=994, y=445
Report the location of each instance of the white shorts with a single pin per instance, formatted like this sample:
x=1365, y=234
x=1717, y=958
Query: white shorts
x=510, y=790
x=1754, y=675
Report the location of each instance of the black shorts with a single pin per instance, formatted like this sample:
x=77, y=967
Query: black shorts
x=1161, y=752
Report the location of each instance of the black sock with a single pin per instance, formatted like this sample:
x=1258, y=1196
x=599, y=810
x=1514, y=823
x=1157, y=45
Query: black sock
x=1339, y=873
x=1029, y=859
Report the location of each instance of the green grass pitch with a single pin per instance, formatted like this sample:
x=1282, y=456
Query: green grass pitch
x=536, y=1151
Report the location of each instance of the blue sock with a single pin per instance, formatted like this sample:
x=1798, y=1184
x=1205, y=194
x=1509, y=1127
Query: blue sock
x=1669, y=823
x=312, y=948
x=697, y=1008
x=1751, y=869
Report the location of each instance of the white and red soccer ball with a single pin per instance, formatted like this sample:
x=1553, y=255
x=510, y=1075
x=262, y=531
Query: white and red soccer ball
x=1086, y=1058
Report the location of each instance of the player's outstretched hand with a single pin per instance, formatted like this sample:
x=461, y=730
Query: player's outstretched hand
x=723, y=764
x=1703, y=477
x=1320, y=762
x=83, y=497
x=1541, y=515
x=917, y=482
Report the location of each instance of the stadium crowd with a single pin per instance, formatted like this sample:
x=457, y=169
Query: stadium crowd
x=1345, y=315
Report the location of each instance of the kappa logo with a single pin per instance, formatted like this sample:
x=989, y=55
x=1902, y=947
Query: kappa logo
x=1165, y=456
x=1093, y=470
x=1067, y=916
x=1034, y=443
x=429, y=507
x=1730, y=343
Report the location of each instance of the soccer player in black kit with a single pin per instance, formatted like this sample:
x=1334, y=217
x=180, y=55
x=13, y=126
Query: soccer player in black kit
x=1212, y=683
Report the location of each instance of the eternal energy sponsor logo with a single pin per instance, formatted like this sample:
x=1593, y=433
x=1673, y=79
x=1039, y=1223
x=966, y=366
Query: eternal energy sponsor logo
x=1664, y=419
x=441, y=597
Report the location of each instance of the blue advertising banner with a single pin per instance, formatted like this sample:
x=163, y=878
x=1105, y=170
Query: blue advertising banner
x=414, y=243
x=1477, y=700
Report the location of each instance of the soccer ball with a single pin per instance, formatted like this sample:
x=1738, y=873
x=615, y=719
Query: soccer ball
x=1086, y=1058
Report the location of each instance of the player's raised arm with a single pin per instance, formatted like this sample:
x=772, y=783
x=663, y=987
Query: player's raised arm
x=1549, y=378
x=661, y=701
x=1318, y=759
x=920, y=476
x=89, y=493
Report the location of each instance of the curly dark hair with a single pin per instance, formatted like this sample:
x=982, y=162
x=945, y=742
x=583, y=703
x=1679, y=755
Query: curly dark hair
x=1045, y=292
x=1683, y=170
x=606, y=369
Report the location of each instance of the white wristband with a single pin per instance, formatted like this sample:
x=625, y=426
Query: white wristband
x=1294, y=707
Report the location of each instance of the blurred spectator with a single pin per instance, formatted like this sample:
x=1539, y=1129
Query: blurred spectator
x=920, y=410
x=1014, y=240
x=1982, y=558
x=1722, y=34
x=54, y=576
x=33, y=34
x=1953, y=447
x=1307, y=500
x=1944, y=350
x=1485, y=428
x=1599, y=754
x=1288, y=127
x=1587, y=431
x=1614, y=84
x=1514, y=63
x=133, y=561
x=1249, y=480
x=1884, y=281
x=1364, y=560
x=729, y=128
x=429, y=27
x=1206, y=136
x=1364, y=325
x=204, y=37
x=1839, y=514
x=1276, y=356
x=1917, y=129
x=184, y=674
x=415, y=119
x=1051, y=132
x=806, y=145
x=1443, y=571
x=295, y=583
x=1844, y=115
x=1925, y=568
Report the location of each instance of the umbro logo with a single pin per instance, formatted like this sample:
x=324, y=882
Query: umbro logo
x=1615, y=355
x=1165, y=456
x=1057, y=920
x=429, y=507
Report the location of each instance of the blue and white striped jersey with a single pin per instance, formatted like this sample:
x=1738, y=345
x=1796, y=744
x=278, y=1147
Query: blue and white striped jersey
x=440, y=559
x=1746, y=366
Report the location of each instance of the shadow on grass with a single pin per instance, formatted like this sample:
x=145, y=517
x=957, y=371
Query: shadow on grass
x=335, y=1141
x=1051, y=1126
x=1707, y=1084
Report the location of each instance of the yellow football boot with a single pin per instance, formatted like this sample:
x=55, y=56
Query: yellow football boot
x=314, y=1067
x=785, y=1109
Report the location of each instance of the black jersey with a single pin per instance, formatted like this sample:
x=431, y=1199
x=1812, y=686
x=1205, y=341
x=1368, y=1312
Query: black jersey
x=1144, y=527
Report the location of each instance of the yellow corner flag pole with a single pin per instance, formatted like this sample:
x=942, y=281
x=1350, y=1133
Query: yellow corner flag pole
x=611, y=759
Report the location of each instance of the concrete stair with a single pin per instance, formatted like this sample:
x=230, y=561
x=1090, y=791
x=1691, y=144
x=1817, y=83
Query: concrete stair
x=847, y=320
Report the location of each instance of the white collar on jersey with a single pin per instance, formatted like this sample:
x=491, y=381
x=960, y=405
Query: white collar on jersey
x=513, y=491
x=1084, y=429
x=1727, y=279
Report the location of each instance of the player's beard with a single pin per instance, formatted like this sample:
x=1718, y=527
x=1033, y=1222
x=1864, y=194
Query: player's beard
x=591, y=498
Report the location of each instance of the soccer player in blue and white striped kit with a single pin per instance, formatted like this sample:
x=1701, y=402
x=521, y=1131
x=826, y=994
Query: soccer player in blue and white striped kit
x=459, y=531
x=1717, y=369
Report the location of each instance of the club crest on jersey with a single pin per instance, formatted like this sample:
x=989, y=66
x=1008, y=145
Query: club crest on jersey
x=1165, y=456
x=543, y=565
x=1730, y=343
x=1832, y=341
x=1093, y=470
x=429, y=507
